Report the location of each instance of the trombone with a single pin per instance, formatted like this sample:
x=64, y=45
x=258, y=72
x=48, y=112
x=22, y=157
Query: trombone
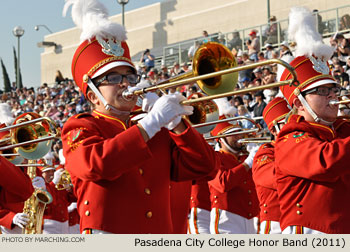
x=31, y=135
x=211, y=61
x=333, y=102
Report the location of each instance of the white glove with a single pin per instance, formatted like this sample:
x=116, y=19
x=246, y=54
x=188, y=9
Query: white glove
x=252, y=148
x=177, y=119
x=20, y=219
x=57, y=176
x=148, y=101
x=39, y=183
x=165, y=110
x=72, y=206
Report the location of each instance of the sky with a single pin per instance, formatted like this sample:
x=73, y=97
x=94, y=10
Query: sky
x=28, y=14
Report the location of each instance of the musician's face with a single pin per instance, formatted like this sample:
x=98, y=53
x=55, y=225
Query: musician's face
x=320, y=105
x=48, y=175
x=232, y=142
x=113, y=92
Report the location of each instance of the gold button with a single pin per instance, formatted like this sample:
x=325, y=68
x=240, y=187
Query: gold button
x=249, y=203
x=86, y=202
x=61, y=212
x=141, y=171
x=147, y=191
x=215, y=197
x=59, y=205
x=298, y=205
x=87, y=213
x=191, y=197
x=249, y=191
x=149, y=214
x=250, y=215
x=298, y=212
x=192, y=201
x=265, y=205
x=215, y=201
x=244, y=182
x=265, y=211
x=85, y=78
x=62, y=219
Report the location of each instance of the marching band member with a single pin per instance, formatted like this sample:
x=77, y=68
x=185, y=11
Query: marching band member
x=264, y=169
x=232, y=192
x=56, y=213
x=121, y=173
x=199, y=220
x=15, y=185
x=312, y=150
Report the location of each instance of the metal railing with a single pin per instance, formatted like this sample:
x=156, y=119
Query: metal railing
x=328, y=23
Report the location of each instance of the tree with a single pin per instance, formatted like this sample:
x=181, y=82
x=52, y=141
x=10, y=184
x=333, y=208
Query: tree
x=20, y=75
x=7, y=82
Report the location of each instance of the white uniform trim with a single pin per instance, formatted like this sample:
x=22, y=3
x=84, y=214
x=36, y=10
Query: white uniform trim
x=224, y=222
x=199, y=221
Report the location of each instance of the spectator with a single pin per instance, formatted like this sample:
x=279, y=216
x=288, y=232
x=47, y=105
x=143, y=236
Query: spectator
x=344, y=23
x=253, y=46
x=319, y=23
x=272, y=31
x=59, y=77
x=285, y=49
x=235, y=42
x=205, y=37
x=148, y=59
x=341, y=77
x=243, y=111
x=259, y=107
x=268, y=52
x=193, y=49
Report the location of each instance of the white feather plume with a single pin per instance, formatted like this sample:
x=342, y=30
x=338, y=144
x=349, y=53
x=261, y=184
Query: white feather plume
x=302, y=30
x=225, y=107
x=6, y=115
x=92, y=18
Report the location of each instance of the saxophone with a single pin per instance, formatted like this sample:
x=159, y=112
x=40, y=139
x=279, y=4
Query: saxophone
x=34, y=207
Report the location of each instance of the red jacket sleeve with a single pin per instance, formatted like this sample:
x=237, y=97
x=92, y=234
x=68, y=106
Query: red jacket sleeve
x=192, y=157
x=303, y=155
x=6, y=217
x=16, y=185
x=264, y=167
x=87, y=151
x=230, y=174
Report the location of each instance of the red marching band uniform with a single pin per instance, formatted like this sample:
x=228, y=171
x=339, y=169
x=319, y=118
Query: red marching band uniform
x=120, y=180
x=232, y=191
x=263, y=170
x=312, y=162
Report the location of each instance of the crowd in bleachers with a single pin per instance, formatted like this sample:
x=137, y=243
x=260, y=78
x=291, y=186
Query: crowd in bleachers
x=63, y=99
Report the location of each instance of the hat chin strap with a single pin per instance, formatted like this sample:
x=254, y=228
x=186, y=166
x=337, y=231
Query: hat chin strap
x=309, y=109
x=228, y=146
x=105, y=104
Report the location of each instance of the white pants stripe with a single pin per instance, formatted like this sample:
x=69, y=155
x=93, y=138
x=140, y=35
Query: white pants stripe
x=199, y=221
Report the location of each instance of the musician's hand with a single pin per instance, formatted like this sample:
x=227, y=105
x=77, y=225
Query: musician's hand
x=148, y=101
x=20, y=219
x=177, y=120
x=57, y=176
x=72, y=206
x=252, y=148
x=166, y=109
x=38, y=183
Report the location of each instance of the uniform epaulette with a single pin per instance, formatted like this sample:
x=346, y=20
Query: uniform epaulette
x=81, y=115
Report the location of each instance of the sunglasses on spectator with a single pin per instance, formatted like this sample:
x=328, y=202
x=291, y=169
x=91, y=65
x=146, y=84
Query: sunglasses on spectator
x=115, y=78
x=323, y=91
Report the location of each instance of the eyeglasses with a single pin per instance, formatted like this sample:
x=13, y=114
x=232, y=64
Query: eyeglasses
x=323, y=91
x=115, y=78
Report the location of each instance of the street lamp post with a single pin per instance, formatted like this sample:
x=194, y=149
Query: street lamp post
x=18, y=31
x=37, y=27
x=123, y=3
